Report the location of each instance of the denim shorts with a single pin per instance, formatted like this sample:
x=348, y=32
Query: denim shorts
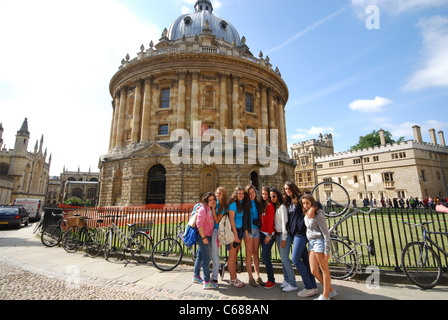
x=317, y=245
x=255, y=234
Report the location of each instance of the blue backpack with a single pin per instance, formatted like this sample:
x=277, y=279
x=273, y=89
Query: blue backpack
x=190, y=232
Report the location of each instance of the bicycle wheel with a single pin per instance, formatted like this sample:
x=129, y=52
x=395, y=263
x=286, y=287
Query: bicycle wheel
x=421, y=264
x=71, y=240
x=51, y=235
x=333, y=197
x=141, y=247
x=113, y=251
x=167, y=254
x=342, y=261
x=94, y=242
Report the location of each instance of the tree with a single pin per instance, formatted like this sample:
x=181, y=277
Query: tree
x=373, y=140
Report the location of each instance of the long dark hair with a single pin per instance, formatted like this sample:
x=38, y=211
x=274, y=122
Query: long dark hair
x=205, y=198
x=279, y=197
x=296, y=194
x=264, y=203
x=257, y=201
x=311, y=199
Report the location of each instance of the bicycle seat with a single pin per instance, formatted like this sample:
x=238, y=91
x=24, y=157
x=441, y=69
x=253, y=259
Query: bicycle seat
x=131, y=225
x=99, y=221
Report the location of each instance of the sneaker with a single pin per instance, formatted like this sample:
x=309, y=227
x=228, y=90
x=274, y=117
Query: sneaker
x=197, y=280
x=289, y=288
x=333, y=294
x=307, y=293
x=269, y=285
x=209, y=285
x=284, y=284
x=321, y=297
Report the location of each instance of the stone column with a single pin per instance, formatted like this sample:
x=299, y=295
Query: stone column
x=194, y=97
x=181, y=101
x=271, y=111
x=113, y=127
x=283, y=143
x=223, y=106
x=264, y=108
x=136, y=121
x=122, y=116
x=236, y=103
x=146, y=116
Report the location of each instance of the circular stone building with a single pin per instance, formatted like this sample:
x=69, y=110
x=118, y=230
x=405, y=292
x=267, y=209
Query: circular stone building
x=193, y=112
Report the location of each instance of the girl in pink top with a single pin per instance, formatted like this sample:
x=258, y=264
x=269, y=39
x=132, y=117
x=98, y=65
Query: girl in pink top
x=205, y=224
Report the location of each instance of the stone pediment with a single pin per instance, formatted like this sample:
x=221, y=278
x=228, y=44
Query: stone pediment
x=154, y=149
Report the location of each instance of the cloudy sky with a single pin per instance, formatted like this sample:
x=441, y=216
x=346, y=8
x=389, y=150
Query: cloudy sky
x=352, y=66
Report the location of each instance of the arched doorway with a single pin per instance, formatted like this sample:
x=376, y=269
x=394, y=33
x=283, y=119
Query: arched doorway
x=254, y=179
x=156, y=187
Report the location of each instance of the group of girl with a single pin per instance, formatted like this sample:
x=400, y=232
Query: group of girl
x=287, y=219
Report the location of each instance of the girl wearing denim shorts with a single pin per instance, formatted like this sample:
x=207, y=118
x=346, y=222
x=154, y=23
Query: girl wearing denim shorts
x=318, y=244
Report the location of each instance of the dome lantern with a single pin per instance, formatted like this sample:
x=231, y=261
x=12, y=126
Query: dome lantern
x=202, y=5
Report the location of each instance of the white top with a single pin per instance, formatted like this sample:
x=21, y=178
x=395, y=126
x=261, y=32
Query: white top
x=280, y=220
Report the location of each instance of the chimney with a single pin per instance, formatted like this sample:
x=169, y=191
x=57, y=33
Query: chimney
x=432, y=134
x=382, y=138
x=442, y=138
x=417, y=134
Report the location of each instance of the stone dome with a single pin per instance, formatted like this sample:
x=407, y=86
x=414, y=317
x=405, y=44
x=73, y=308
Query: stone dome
x=190, y=25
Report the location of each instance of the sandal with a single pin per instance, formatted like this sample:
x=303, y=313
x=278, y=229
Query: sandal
x=253, y=283
x=237, y=283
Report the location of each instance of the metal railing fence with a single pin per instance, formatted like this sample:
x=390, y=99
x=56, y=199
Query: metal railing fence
x=385, y=227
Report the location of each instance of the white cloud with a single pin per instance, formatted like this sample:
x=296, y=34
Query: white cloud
x=433, y=70
x=375, y=105
x=311, y=133
x=59, y=56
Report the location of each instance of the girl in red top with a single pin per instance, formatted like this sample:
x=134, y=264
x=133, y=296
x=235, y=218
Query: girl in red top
x=267, y=234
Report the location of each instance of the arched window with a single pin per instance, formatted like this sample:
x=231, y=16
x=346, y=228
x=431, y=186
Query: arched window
x=156, y=187
x=209, y=97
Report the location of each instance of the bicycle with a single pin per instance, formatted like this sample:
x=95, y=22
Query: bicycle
x=52, y=235
x=139, y=244
x=168, y=252
x=345, y=260
x=333, y=197
x=79, y=235
x=420, y=262
x=39, y=224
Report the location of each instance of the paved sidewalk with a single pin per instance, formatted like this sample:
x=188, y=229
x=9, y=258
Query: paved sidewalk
x=60, y=275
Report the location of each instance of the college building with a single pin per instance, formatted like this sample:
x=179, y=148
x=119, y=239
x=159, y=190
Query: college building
x=412, y=168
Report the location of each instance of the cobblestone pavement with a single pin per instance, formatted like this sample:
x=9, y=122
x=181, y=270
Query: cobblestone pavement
x=19, y=284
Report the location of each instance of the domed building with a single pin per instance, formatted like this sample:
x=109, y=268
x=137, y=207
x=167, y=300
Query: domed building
x=195, y=111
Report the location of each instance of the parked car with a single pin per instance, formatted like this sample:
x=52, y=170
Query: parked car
x=13, y=216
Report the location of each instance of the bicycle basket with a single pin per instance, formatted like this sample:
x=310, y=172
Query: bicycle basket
x=76, y=222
